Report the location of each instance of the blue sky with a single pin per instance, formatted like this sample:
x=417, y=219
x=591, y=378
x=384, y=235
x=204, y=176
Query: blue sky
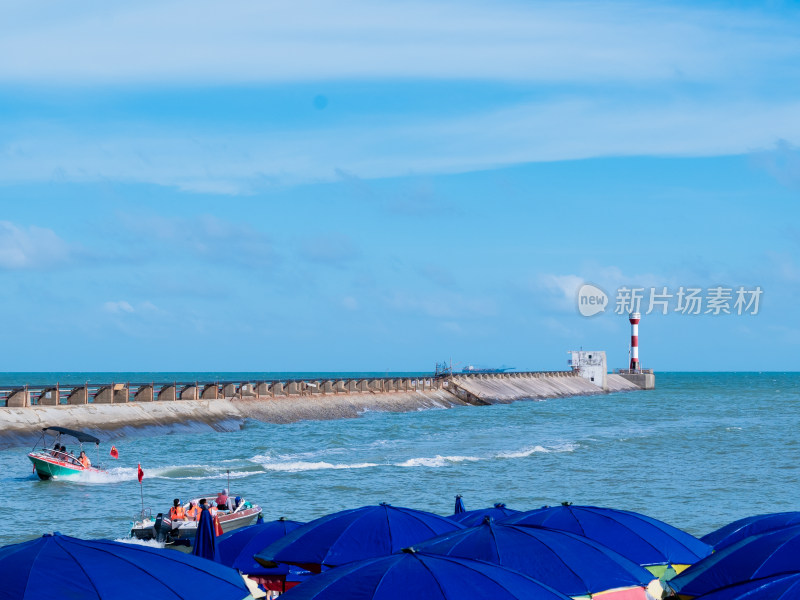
x=380, y=185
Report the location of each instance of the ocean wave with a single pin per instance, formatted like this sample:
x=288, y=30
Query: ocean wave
x=296, y=466
x=436, y=461
x=137, y=542
x=530, y=450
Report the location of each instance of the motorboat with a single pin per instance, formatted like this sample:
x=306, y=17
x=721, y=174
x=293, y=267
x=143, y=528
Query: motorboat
x=52, y=462
x=163, y=529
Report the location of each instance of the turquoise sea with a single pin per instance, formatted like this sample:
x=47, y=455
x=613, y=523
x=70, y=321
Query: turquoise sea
x=701, y=450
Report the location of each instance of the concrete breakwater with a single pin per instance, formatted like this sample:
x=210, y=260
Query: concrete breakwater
x=118, y=409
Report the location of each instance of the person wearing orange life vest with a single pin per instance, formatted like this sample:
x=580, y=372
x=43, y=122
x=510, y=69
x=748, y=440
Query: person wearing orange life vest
x=192, y=513
x=176, y=512
x=84, y=460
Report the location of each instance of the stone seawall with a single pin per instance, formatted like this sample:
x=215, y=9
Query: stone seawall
x=21, y=426
x=185, y=410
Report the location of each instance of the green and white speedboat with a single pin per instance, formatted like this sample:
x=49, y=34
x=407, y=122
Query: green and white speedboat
x=48, y=463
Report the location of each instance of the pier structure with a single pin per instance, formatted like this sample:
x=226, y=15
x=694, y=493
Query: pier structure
x=121, y=393
x=643, y=378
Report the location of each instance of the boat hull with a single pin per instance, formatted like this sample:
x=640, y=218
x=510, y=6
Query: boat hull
x=187, y=530
x=47, y=467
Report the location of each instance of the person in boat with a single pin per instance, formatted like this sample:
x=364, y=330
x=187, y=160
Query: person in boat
x=237, y=502
x=222, y=498
x=213, y=510
x=193, y=512
x=176, y=512
x=84, y=460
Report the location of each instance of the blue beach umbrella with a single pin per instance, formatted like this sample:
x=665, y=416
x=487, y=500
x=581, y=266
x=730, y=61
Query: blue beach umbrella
x=237, y=548
x=471, y=518
x=205, y=538
x=421, y=576
x=59, y=566
x=646, y=541
x=780, y=587
x=459, y=508
x=757, y=557
x=738, y=530
x=355, y=534
x=572, y=564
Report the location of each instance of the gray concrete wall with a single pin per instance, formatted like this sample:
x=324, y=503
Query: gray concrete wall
x=144, y=394
x=167, y=393
x=104, y=395
x=19, y=398
x=190, y=392
x=48, y=397
x=229, y=390
x=78, y=395
x=210, y=391
x=644, y=381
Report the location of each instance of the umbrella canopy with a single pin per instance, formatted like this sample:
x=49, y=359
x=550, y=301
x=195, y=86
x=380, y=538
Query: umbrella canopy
x=237, y=548
x=355, y=534
x=471, y=518
x=757, y=557
x=59, y=566
x=780, y=587
x=569, y=563
x=205, y=539
x=646, y=541
x=422, y=577
x=459, y=505
x=738, y=530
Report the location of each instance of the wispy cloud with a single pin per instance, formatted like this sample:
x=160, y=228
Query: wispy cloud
x=31, y=247
x=328, y=248
x=356, y=39
x=206, y=237
x=550, y=130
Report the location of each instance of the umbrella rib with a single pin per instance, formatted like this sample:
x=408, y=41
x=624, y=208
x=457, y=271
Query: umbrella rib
x=165, y=556
x=645, y=540
x=769, y=556
x=80, y=566
x=563, y=562
x=28, y=580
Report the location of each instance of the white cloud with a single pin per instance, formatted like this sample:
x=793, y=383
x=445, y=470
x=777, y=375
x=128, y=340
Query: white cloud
x=350, y=303
x=120, y=306
x=245, y=41
x=552, y=130
x=30, y=247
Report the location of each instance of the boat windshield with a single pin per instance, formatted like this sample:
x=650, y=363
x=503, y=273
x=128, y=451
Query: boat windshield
x=62, y=456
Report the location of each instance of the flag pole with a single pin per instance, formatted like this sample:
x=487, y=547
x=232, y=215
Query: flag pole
x=229, y=481
x=140, y=476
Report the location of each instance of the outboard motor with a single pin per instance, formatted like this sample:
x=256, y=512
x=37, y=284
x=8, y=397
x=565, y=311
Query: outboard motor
x=162, y=527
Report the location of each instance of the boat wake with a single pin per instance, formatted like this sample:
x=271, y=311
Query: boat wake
x=261, y=464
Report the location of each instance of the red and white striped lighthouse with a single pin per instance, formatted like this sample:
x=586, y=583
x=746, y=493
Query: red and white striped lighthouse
x=634, y=319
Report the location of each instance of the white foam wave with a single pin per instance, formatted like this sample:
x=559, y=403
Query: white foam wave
x=530, y=450
x=436, y=461
x=296, y=466
x=137, y=542
x=211, y=473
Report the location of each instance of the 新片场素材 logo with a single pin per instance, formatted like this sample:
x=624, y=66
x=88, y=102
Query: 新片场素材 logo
x=591, y=300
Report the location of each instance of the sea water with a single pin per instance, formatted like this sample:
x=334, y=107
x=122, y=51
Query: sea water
x=701, y=450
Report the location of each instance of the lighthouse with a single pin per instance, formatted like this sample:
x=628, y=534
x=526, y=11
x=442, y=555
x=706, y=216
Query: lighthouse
x=634, y=319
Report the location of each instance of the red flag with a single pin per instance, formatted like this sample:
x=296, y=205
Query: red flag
x=114, y=452
x=217, y=526
x=141, y=473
